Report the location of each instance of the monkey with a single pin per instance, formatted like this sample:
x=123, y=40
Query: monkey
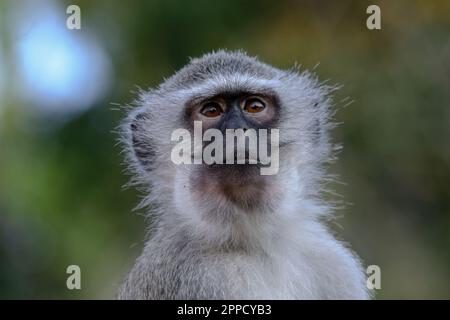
x=222, y=231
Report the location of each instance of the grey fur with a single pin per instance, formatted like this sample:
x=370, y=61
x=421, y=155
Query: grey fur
x=208, y=248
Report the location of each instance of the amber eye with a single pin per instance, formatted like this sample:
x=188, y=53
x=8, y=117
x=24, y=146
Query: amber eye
x=211, y=110
x=254, y=105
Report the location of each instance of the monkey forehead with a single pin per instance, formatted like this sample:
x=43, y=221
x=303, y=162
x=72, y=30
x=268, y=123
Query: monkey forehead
x=229, y=85
x=287, y=89
x=231, y=72
x=217, y=64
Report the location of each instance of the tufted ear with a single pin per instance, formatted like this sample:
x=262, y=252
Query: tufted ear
x=141, y=143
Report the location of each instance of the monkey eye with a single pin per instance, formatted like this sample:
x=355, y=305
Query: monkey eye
x=254, y=105
x=211, y=110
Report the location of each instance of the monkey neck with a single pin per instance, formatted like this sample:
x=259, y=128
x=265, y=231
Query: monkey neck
x=202, y=205
x=264, y=230
x=267, y=234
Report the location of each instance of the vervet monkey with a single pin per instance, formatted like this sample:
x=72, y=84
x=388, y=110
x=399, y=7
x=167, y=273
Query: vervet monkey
x=226, y=231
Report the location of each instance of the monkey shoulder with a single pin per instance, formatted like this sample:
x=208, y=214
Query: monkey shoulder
x=337, y=271
x=176, y=268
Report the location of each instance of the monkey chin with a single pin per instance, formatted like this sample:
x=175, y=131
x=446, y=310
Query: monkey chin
x=242, y=185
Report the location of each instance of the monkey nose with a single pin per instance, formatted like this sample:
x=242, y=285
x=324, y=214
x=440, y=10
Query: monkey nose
x=235, y=123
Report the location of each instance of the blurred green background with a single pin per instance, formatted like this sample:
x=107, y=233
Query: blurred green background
x=61, y=195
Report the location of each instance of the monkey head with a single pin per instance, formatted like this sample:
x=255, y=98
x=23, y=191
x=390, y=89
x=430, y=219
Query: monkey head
x=230, y=91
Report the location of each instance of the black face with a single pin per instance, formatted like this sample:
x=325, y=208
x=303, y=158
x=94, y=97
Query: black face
x=235, y=111
x=242, y=184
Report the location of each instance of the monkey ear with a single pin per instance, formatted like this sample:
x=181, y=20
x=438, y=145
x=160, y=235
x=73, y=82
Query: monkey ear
x=141, y=144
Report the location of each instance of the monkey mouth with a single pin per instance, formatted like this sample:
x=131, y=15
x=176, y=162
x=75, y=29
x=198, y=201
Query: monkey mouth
x=239, y=165
x=235, y=175
x=241, y=185
x=237, y=161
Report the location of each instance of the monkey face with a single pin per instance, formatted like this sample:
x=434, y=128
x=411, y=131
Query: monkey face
x=228, y=112
x=230, y=91
x=239, y=180
x=242, y=110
